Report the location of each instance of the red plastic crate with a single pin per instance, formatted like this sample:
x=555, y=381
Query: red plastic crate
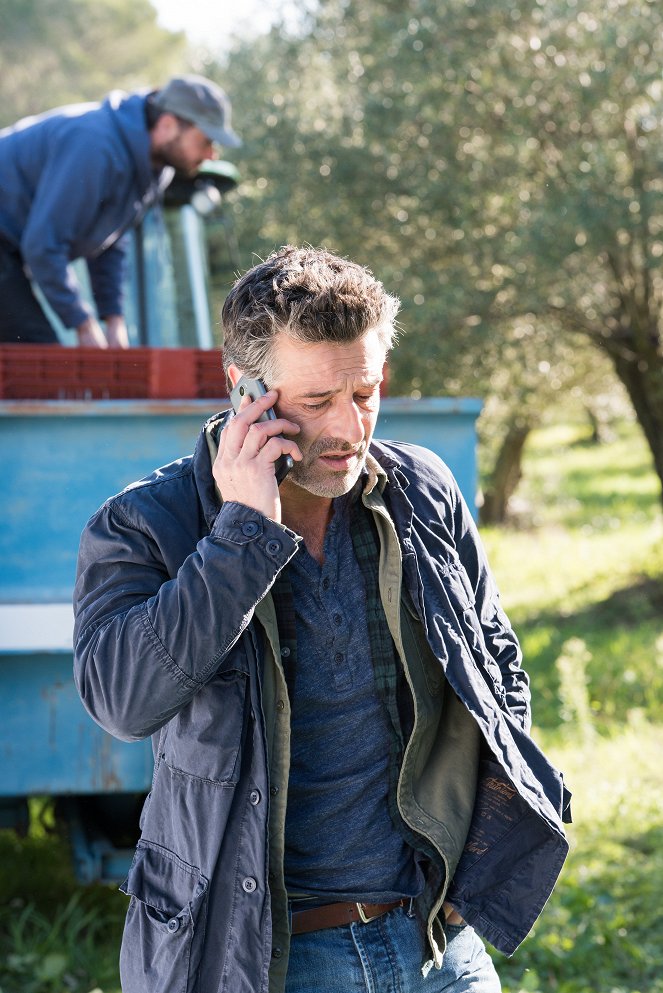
x=50, y=372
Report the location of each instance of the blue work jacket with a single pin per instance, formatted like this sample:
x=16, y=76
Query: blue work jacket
x=71, y=182
x=167, y=644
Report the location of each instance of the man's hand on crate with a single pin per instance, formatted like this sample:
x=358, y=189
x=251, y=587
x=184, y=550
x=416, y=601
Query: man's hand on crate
x=91, y=335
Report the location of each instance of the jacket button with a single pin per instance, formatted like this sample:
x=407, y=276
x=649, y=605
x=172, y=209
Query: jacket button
x=274, y=790
x=249, y=529
x=277, y=953
x=249, y=885
x=285, y=652
x=173, y=925
x=254, y=797
x=280, y=705
x=274, y=547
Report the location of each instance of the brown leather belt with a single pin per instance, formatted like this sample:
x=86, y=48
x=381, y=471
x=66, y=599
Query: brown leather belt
x=336, y=914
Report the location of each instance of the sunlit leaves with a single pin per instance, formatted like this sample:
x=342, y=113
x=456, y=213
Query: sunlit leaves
x=65, y=51
x=488, y=160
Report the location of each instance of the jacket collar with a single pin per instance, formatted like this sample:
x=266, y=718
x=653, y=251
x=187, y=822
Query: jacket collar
x=396, y=498
x=203, y=459
x=392, y=466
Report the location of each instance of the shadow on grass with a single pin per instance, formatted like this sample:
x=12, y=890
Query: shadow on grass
x=611, y=481
x=591, y=506
x=620, y=634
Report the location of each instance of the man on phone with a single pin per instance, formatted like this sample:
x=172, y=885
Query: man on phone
x=346, y=796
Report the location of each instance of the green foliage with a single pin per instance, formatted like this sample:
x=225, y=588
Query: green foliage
x=498, y=165
x=65, y=51
x=411, y=136
x=68, y=950
x=55, y=935
x=38, y=865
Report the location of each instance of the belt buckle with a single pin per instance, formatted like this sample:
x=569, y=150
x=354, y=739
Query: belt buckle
x=363, y=915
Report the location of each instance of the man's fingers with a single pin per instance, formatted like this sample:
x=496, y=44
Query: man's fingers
x=263, y=440
x=246, y=432
x=275, y=447
x=242, y=441
x=258, y=434
x=248, y=450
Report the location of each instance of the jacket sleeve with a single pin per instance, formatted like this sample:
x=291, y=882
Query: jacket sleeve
x=106, y=278
x=145, y=642
x=503, y=648
x=73, y=184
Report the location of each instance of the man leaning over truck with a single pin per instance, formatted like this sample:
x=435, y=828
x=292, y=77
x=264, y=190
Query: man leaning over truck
x=74, y=180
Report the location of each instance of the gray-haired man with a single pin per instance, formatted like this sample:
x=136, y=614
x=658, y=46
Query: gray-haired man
x=345, y=793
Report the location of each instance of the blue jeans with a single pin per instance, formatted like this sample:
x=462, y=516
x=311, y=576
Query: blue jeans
x=386, y=956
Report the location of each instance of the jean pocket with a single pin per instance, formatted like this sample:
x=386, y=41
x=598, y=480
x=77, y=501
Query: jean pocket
x=165, y=921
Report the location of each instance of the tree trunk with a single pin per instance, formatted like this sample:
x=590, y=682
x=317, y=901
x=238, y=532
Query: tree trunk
x=598, y=427
x=506, y=474
x=642, y=376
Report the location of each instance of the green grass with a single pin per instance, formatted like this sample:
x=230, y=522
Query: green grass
x=576, y=484
x=582, y=579
x=591, y=568
x=602, y=927
x=68, y=949
x=56, y=936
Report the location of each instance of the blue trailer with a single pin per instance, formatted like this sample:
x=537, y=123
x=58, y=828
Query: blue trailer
x=62, y=459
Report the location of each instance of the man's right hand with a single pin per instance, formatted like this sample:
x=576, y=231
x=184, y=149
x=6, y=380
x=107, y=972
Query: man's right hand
x=452, y=916
x=117, y=334
x=90, y=334
x=244, y=465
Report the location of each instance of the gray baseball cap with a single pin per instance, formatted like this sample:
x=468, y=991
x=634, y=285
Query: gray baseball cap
x=201, y=102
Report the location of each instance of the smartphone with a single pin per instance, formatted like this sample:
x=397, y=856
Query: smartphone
x=255, y=388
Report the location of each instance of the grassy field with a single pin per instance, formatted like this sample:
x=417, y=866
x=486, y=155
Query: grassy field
x=586, y=577
x=581, y=576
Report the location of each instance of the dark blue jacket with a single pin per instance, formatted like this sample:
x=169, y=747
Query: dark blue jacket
x=167, y=644
x=71, y=182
